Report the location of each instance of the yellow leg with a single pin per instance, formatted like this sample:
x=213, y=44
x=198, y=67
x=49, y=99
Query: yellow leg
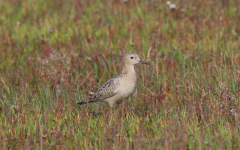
x=112, y=113
x=96, y=111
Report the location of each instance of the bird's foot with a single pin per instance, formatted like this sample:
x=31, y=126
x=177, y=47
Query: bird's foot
x=109, y=124
x=95, y=114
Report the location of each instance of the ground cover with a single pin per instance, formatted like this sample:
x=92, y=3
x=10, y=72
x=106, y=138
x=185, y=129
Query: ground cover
x=53, y=53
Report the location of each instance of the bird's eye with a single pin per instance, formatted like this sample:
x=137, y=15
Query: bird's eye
x=132, y=57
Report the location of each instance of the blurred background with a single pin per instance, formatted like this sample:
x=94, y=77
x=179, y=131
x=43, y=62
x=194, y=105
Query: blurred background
x=53, y=53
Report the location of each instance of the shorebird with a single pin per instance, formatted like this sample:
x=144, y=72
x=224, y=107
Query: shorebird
x=120, y=86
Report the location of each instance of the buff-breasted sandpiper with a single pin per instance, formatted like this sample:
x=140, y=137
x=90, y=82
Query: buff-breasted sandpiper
x=119, y=87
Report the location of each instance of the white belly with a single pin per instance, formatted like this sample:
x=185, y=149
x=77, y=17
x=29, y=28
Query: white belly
x=125, y=88
x=123, y=92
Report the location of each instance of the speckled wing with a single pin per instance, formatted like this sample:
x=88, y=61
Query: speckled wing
x=106, y=91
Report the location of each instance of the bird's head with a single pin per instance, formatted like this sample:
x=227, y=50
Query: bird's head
x=132, y=59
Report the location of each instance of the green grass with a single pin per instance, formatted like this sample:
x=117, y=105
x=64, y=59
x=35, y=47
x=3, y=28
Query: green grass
x=54, y=52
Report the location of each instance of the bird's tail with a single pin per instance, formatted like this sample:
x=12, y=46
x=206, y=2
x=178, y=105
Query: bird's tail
x=82, y=102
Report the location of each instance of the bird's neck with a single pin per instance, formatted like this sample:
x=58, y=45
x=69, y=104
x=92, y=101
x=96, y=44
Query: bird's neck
x=128, y=69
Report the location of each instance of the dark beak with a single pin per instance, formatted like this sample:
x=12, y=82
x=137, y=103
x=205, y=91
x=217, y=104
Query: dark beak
x=143, y=62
